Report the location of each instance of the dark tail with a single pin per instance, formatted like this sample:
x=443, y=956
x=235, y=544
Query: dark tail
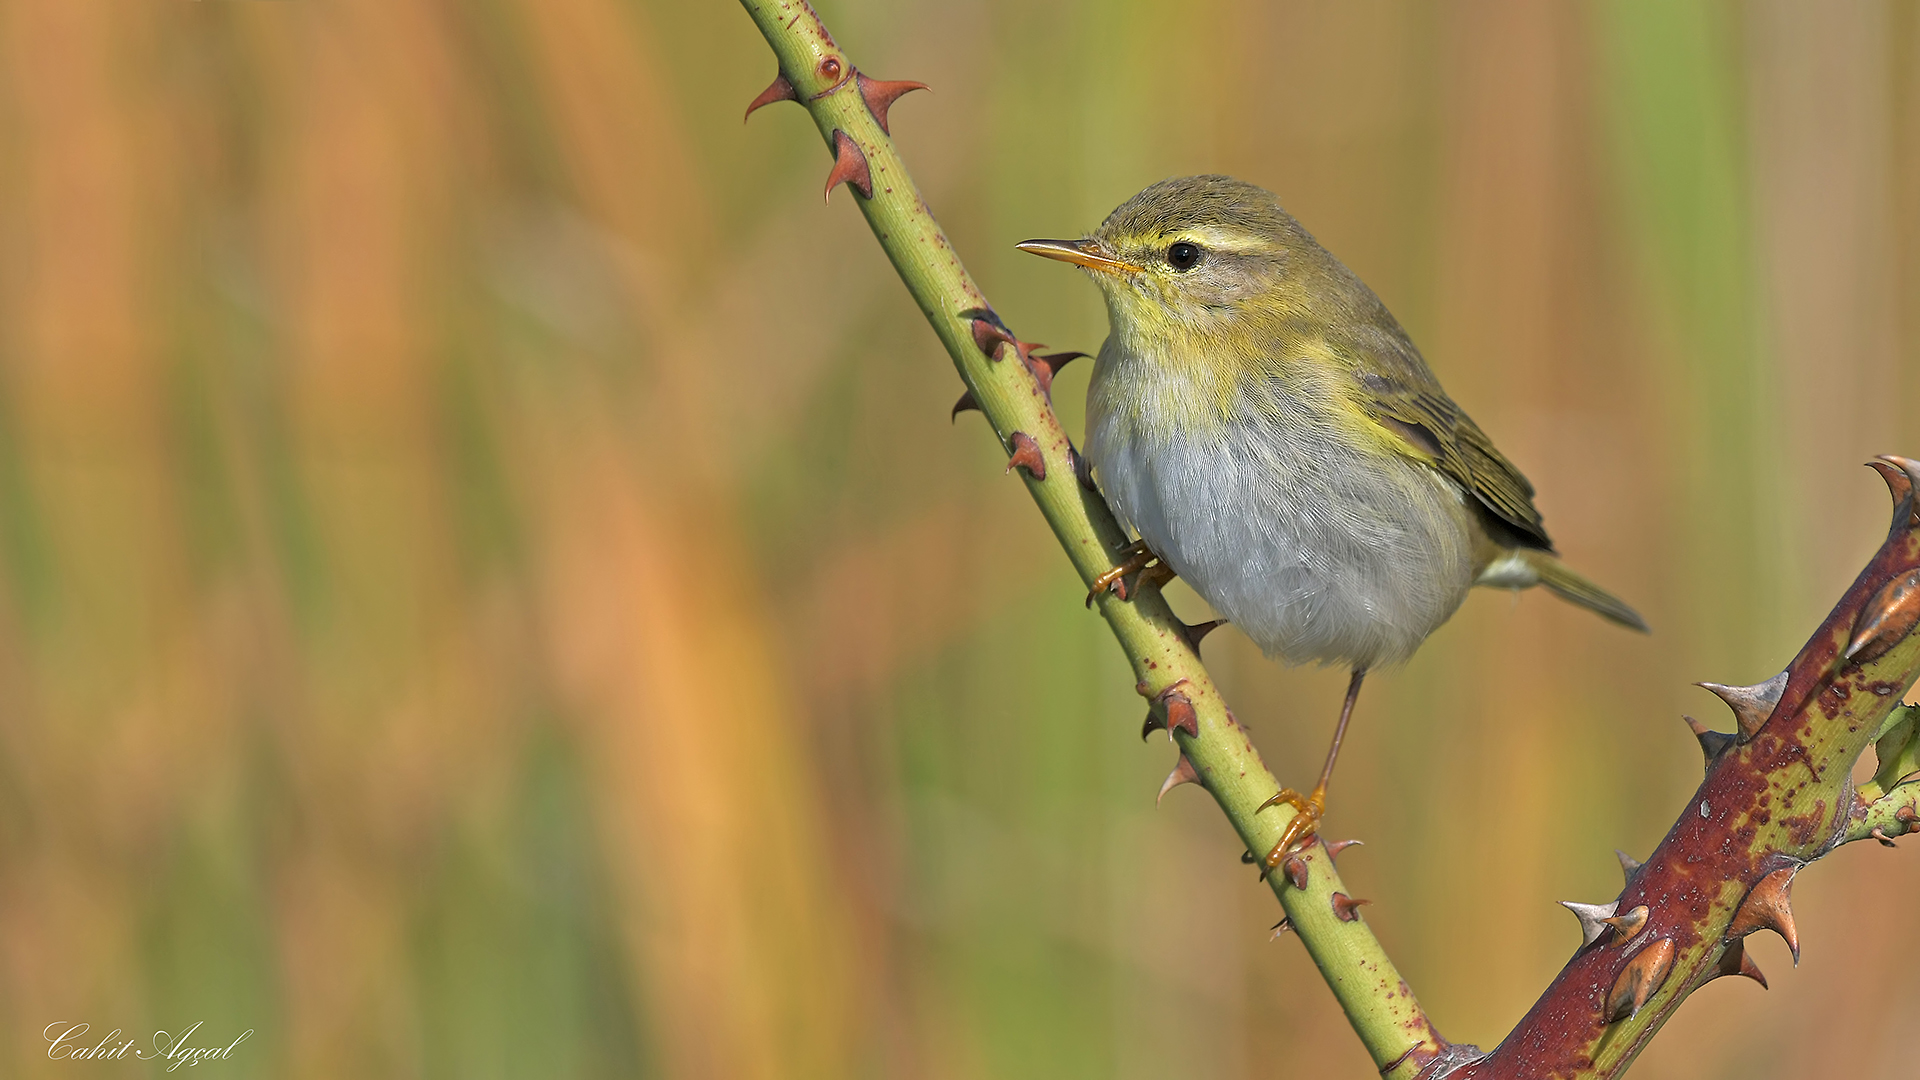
x=1568, y=585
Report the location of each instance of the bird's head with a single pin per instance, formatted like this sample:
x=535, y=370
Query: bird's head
x=1196, y=254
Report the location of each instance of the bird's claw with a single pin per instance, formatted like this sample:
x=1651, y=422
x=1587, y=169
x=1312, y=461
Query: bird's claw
x=1307, y=811
x=1139, y=559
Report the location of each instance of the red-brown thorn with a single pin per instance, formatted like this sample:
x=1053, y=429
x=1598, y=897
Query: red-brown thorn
x=1769, y=907
x=1153, y=724
x=1024, y=350
x=1183, y=773
x=989, y=335
x=1296, y=869
x=1626, y=925
x=1735, y=961
x=1898, y=485
x=1885, y=840
x=1639, y=980
x=967, y=401
x=880, y=94
x=1886, y=619
x=1046, y=366
x=1907, y=816
x=849, y=167
x=1902, y=477
x=1335, y=847
x=1026, y=455
x=778, y=90
x=1179, y=710
x=1345, y=908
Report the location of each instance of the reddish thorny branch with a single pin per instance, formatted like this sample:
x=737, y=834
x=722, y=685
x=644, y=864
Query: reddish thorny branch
x=1778, y=792
x=1778, y=795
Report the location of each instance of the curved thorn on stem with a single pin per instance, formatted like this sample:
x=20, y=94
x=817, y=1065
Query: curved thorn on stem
x=1024, y=453
x=1713, y=744
x=1769, y=906
x=778, y=90
x=1182, y=773
x=1751, y=704
x=1625, y=926
x=1886, y=620
x=1629, y=865
x=849, y=167
x=1593, y=918
x=1639, y=980
x=880, y=94
x=1335, y=847
x=967, y=402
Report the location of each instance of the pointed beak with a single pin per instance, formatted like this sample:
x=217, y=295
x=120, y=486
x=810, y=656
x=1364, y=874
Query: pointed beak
x=1085, y=253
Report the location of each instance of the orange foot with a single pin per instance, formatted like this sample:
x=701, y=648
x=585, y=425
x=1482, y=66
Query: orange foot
x=1306, y=819
x=1141, y=560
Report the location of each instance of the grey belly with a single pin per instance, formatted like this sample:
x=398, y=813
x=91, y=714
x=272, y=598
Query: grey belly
x=1314, y=550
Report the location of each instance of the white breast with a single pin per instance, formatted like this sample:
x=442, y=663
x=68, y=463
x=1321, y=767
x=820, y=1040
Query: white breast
x=1313, y=548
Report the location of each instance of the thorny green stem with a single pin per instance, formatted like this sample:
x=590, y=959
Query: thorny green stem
x=1777, y=795
x=1376, y=1000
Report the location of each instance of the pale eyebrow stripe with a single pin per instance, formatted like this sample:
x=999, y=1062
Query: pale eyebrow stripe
x=1223, y=240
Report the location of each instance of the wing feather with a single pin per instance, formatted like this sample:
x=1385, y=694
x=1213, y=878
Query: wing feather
x=1435, y=430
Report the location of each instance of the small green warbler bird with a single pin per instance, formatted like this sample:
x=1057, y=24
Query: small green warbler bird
x=1262, y=422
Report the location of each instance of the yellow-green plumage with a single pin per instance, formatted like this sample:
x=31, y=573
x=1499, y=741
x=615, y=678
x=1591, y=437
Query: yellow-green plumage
x=1263, y=422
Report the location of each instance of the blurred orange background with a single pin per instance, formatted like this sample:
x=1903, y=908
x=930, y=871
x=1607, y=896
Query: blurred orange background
x=488, y=587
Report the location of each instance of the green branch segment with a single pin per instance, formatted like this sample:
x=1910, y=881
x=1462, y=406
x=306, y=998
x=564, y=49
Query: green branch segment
x=1011, y=387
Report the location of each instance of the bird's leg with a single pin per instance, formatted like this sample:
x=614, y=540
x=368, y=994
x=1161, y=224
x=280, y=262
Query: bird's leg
x=1308, y=810
x=1138, y=559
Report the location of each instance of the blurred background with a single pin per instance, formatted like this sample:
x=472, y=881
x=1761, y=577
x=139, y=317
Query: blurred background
x=488, y=586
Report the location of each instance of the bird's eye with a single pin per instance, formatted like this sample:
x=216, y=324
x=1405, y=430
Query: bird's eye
x=1183, y=255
